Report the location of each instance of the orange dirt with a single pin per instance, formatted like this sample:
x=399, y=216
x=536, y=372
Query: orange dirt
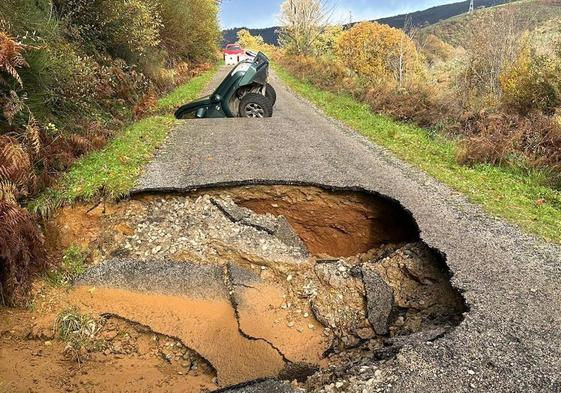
x=75, y=225
x=334, y=223
x=32, y=360
x=32, y=366
x=261, y=315
x=205, y=326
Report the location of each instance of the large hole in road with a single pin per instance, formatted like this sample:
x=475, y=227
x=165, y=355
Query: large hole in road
x=265, y=281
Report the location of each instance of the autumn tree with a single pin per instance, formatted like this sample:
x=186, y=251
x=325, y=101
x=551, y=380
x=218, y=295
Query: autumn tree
x=493, y=43
x=326, y=43
x=249, y=41
x=303, y=22
x=378, y=52
x=532, y=82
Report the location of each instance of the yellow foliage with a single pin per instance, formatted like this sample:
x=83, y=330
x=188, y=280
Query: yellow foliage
x=248, y=41
x=326, y=42
x=531, y=82
x=378, y=52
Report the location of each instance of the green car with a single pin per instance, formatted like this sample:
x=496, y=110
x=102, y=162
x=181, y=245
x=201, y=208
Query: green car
x=244, y=93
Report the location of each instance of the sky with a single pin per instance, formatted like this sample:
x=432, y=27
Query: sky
x=264, y=13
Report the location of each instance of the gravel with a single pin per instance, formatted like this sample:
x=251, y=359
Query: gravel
x=198, y=230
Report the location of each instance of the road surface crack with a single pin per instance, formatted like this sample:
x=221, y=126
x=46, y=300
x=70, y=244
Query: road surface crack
x=230, y=286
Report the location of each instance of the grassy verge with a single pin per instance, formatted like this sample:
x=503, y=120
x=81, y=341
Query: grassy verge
x=512, y=194
x=113, y=171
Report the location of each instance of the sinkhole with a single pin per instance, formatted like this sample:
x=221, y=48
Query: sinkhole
x=264, y=281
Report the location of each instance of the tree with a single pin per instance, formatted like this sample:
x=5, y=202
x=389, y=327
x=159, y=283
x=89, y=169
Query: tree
x=326, y=42
x=303, y=22
x=378, y=52
x=248, y=41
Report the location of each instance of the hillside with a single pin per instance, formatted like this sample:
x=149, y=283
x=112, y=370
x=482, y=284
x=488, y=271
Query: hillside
x=420, y=18
x=439, y=13
x=529, y=15
x=269, y=34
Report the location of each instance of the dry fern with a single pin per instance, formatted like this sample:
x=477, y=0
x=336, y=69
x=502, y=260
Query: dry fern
x=21, y=252
x=15, y=163
x=8, y=192
x=11, y=57
x=33, y=134
x=11, y=104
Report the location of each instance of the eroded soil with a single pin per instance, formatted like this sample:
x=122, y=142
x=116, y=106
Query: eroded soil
x=224, y=286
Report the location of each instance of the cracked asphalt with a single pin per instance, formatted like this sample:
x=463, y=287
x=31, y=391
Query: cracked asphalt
x=511, y=337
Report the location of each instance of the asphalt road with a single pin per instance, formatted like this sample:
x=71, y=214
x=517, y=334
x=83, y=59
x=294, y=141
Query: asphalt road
x=511, y=337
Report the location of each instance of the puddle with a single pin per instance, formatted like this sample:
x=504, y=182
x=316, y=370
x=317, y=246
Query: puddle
x=263, y=281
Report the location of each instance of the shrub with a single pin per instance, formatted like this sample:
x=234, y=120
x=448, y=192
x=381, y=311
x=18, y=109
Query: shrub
x=532, y=83
x=189, y=29
x=379, y=53
x=437, y=50
x=123, y=28
x=322, y=72
x=418, y=102
x=501, y=138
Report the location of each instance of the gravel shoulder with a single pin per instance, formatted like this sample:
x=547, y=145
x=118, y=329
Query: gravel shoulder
x=511, y=337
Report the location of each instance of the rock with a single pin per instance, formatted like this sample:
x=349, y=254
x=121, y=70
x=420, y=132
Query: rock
x=365, y=333
x=394, y=345
x=298, y=371
x=261, y=386
x=242, y=215
x=420, y=284
x=286, y=234
x=338, y=302
x=379, y=300
x=240, y=276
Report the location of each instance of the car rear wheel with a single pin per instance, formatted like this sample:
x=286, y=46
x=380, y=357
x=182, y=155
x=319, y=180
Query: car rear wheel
x=256, y=106
x=271, y=94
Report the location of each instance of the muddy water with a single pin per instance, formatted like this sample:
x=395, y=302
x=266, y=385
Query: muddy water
x=256, y=280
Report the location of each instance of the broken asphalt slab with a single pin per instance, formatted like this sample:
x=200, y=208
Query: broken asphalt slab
x=510, y=339
x=167, y=277
x=262, y=386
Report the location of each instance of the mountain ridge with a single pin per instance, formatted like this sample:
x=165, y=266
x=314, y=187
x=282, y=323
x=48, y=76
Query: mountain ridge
x=425, y=17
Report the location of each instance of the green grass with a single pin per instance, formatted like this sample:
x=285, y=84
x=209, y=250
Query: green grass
x=504, y=192
x=79, y=332
x=73, y=264
x=113, y=171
